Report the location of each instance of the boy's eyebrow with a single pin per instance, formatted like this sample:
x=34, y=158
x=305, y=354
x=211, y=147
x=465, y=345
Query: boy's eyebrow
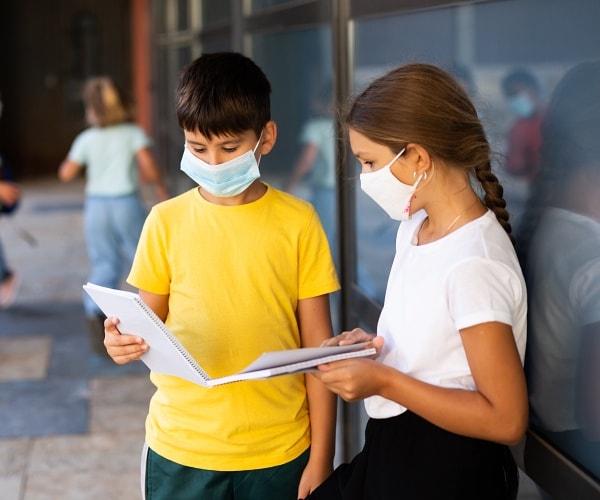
x=229, y=140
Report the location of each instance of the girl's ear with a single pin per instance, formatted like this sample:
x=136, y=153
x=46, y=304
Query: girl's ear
x=419, y=157
x=269, y=138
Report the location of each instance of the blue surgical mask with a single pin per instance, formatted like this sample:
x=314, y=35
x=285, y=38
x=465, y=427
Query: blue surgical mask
x=225, y=179
x=521, y=105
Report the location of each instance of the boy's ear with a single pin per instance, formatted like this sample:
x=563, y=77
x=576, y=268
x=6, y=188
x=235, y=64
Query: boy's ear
x=269, y=137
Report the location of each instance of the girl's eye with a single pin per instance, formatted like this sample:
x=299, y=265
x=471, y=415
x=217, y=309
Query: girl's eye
x=367, y=164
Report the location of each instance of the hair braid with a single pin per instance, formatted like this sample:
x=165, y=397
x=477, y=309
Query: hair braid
x=493, y=197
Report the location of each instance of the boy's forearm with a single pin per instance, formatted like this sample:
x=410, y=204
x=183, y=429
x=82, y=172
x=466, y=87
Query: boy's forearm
x=322, y=405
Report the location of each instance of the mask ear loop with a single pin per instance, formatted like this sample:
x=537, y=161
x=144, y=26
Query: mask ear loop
x=259, y=138
x=256, y=147
x=422, y=177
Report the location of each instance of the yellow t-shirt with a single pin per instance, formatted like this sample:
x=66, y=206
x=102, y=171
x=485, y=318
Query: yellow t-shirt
x=234, y=275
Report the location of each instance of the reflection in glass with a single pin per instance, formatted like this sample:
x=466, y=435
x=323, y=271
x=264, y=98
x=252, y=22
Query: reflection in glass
x=303, y=161
x=560, y=250
x=522, y=91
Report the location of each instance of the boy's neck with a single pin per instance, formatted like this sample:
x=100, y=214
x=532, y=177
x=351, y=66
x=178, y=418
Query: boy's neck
x=255, y=191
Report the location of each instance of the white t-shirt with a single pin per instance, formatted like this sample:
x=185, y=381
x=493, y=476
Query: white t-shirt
x=564, y=265
x=469, y=277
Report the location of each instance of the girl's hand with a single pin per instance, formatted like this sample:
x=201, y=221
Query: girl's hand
x=356, y=336
x=353, y=379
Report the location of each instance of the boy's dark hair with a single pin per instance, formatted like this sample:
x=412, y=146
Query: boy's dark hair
x=222, y=93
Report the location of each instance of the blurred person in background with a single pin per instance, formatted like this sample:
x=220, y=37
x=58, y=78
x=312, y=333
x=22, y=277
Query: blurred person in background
x=115, y=153
x=523, y=93
x=316, y=163
x=9, y=198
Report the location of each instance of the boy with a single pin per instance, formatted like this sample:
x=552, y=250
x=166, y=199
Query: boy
x=235, y=268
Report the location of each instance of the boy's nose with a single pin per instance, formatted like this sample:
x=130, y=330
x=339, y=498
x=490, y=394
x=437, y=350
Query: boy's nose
x=215, y=158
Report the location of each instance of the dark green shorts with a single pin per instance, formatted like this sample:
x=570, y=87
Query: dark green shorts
x=166, y=480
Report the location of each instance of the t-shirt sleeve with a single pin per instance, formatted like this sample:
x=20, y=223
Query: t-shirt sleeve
x=140, y=139
x=317, y=275
x=584, y=292
x=150, y=270
x=481, y=291
x=78, y=151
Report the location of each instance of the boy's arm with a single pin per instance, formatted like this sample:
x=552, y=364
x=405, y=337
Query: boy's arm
x=124, y=348
x=315, y=327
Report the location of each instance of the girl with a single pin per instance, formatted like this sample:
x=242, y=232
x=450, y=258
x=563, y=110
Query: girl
x=447, y=393
x=115, y=153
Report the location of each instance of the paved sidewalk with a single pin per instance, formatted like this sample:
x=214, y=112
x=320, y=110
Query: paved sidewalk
x=72, y=423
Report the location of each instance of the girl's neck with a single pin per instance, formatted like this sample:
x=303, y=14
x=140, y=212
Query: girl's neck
x=447, y=219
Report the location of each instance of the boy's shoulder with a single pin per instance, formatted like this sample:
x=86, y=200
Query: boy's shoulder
x=288, y=201
x=284, y=195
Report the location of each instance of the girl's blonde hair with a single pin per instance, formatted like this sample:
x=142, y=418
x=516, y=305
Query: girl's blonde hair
x=105, y=103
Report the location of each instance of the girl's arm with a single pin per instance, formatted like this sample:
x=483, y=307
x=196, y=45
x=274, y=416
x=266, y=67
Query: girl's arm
x=150, y=173
x=315, y=327
x=68, y=170
x=497, y=410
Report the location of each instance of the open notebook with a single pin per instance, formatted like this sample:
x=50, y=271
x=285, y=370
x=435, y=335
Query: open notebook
x=167, y=356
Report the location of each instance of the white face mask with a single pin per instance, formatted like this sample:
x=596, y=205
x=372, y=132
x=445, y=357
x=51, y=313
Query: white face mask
x=388, y=192
x=225, y=179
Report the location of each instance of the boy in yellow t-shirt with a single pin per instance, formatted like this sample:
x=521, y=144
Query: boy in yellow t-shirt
x=235, y=268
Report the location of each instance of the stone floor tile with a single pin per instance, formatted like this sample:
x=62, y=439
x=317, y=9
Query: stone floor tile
x=24, y=358
x=87, y=485
x=38, y=408
x=114, y=452
x=119, y=403
x=14, y=456
x=10, y=487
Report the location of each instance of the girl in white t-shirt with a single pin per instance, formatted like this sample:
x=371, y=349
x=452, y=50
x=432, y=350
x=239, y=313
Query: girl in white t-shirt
x=447, y=393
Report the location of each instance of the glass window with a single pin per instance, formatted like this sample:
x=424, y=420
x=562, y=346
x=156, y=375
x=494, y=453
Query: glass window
x=215, y=11
x=183, y=15
x=511, y=56
x=303, y=162
x=258, y=5
x=160, y=16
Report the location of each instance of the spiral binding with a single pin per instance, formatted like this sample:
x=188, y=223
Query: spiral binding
x=172, y=339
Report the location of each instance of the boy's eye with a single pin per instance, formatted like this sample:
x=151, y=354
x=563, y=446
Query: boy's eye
x=230, y=149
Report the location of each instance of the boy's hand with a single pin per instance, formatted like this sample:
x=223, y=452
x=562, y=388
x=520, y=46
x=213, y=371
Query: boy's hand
x=122, y=348
x=356, y=336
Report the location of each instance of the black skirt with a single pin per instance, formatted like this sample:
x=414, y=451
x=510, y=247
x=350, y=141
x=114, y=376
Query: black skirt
x=406, y=457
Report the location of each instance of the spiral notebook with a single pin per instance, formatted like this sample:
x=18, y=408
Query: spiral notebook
x=167, y=356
